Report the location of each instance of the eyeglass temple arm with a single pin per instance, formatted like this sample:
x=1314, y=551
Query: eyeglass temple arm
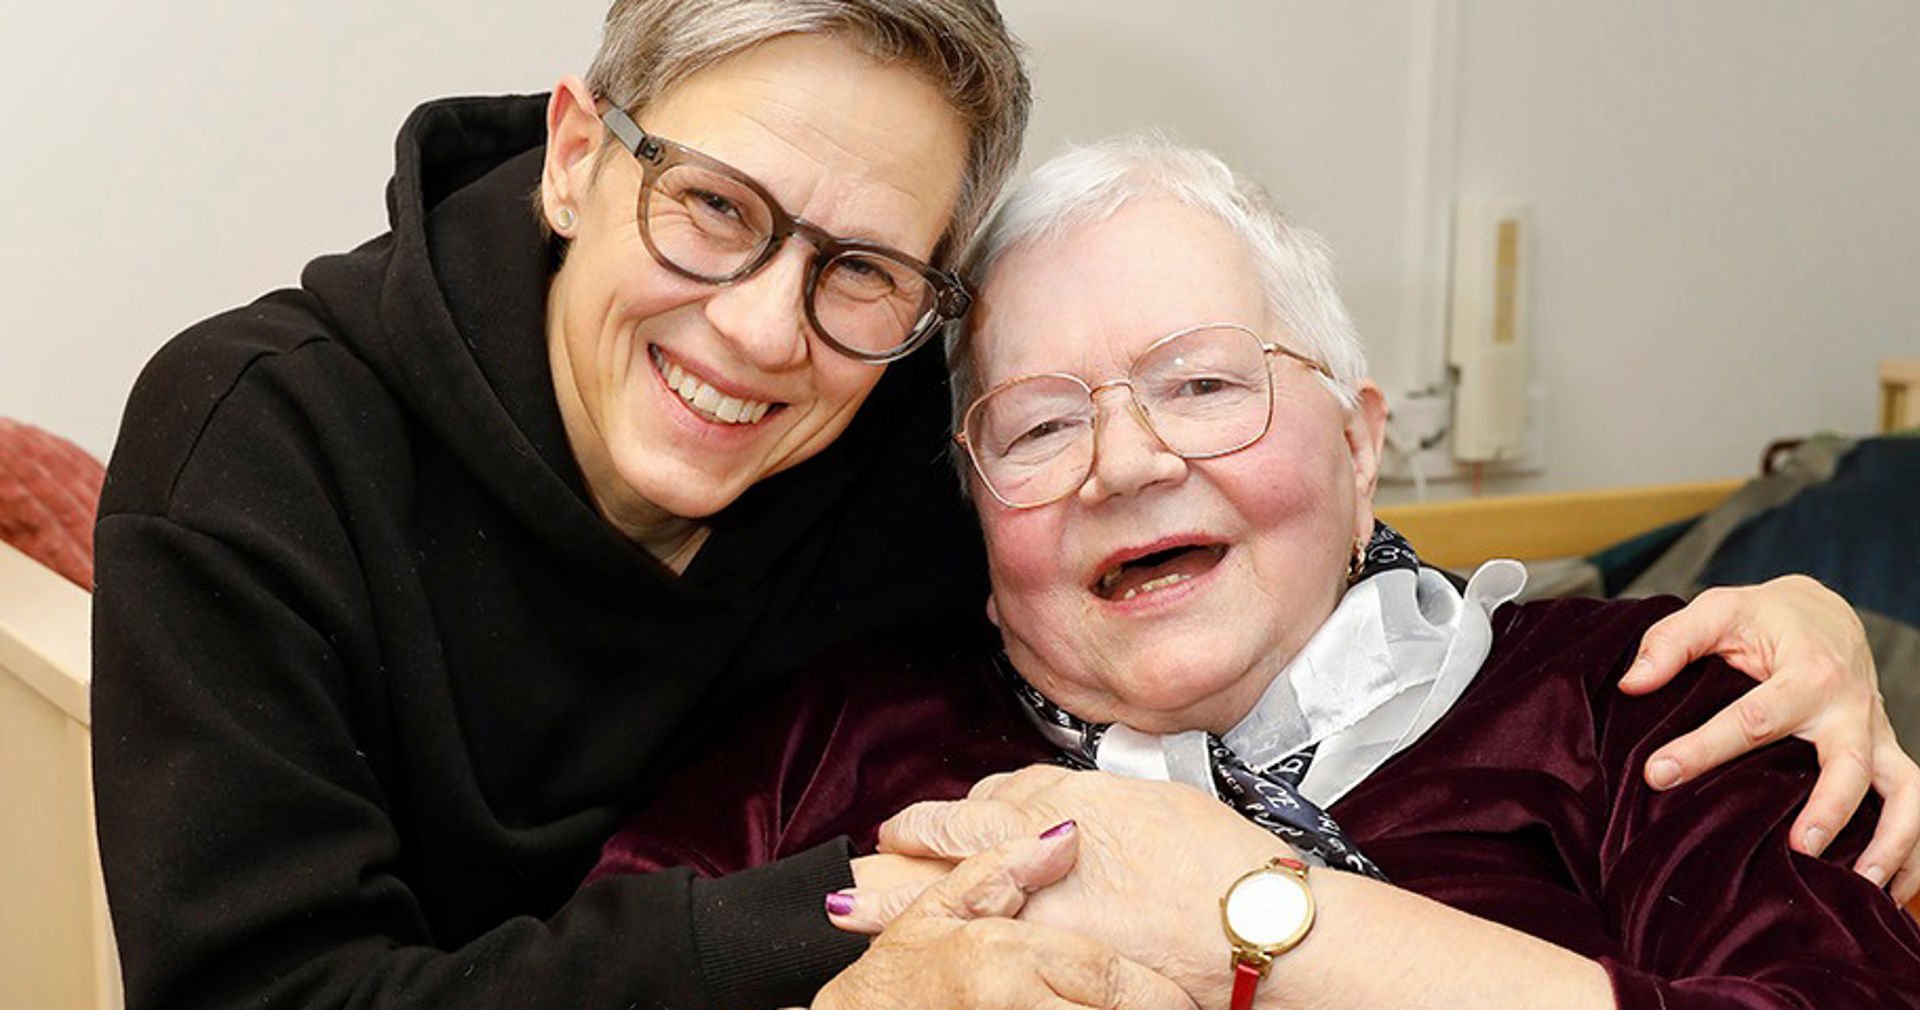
x=1272, y=348
x=630, y=133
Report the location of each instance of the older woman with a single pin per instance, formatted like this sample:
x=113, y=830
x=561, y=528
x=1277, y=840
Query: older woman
x=414, y=578
x=1172, y=450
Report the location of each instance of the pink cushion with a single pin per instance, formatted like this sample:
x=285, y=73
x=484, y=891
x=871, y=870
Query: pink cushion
x=49, y=494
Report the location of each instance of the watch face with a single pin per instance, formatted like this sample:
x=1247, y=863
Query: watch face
x=1269, y=909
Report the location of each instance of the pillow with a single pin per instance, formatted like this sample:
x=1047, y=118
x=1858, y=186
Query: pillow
x=49, y=494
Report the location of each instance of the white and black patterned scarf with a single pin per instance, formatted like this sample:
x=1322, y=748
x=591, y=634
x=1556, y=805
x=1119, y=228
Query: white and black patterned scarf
x=1393, y=657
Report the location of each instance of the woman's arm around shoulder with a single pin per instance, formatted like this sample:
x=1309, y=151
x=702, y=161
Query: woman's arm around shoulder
x=261, y=843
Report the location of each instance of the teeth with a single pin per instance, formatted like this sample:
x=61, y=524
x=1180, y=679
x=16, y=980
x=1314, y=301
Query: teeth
x=1153, y=584
x=706, y=399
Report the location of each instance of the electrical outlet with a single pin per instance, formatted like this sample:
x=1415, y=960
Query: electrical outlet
x=1420, y=441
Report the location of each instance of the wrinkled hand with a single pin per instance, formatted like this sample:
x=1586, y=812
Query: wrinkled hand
x=958, y=946
x=1154, y=858
x=1807, y=648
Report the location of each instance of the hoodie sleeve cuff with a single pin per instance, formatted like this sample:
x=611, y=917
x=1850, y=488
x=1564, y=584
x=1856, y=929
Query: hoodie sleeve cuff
x=762, y=934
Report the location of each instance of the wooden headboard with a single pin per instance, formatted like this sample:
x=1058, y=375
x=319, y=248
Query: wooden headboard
x=1461, y=534
x=1532, y=527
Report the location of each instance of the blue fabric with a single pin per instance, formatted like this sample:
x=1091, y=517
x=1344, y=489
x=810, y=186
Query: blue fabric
x=1859, y=533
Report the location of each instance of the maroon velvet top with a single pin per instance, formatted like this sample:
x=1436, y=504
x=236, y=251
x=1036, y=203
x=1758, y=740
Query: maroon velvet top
x=1524, y=805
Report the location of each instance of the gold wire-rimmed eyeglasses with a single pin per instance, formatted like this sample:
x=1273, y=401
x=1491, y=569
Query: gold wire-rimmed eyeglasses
x=1202, y=392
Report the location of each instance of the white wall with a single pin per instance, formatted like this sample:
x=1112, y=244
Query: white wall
x=1723, y=190
x=1727, y=212
x=168, y=161
x=1308, y=97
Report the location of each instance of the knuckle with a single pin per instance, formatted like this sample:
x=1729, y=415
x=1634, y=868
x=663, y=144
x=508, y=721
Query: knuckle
x=912, y=820
x=947, y=836
x=987, y=896
x=1754, y=717
x=1660, y=636
x=1721, y=597
x=909, y=823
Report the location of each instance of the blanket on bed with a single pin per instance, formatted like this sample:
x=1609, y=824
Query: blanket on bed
x=1844, y=511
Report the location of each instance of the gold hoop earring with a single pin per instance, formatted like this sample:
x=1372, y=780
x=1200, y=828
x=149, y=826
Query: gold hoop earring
x=1358, y=561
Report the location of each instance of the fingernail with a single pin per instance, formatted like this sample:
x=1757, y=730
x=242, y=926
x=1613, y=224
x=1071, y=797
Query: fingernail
x=1875, y=874
x=839, y=903
x=1057, y=830
x=1641, y=665
x=1816, y=840
x=1664, y=773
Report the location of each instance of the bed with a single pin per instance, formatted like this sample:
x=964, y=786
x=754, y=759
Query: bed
x=1461, y=534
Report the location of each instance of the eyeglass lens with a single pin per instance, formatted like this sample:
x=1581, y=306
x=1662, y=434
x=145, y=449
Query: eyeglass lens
x=713, y=226
x=1203, y=393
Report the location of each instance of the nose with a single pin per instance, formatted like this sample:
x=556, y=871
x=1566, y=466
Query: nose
x=1128, y=457
x=764, y=316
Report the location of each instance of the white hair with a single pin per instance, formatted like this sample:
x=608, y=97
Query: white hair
x=1090, y=183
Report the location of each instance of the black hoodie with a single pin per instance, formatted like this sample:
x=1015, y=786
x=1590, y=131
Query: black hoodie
x=373, y=681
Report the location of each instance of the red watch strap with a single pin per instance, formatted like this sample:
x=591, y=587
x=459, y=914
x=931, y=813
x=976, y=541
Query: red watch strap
x=1245, y=978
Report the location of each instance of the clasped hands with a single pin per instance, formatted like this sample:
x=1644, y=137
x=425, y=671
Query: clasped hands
x=952, y=939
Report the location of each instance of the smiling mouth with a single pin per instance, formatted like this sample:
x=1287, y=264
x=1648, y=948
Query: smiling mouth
x=706, y=401
x=1151, y=573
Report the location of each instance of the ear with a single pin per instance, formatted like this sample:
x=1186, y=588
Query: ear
x=574, y=136
x=1366, y=434
x=993, y=612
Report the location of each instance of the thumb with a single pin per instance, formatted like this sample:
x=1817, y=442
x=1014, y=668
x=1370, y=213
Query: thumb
x=1712, y=623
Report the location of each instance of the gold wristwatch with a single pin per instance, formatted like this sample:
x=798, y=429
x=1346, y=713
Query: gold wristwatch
x=1266, y=913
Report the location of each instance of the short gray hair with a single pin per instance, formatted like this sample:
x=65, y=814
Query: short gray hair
x=961, y=46
x=1090, y=183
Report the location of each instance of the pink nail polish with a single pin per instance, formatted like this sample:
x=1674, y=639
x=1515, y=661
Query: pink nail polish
x=1057, y=830
x=839, y=903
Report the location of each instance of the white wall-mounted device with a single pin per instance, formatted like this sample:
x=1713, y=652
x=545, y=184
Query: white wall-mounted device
x=1488, y=329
